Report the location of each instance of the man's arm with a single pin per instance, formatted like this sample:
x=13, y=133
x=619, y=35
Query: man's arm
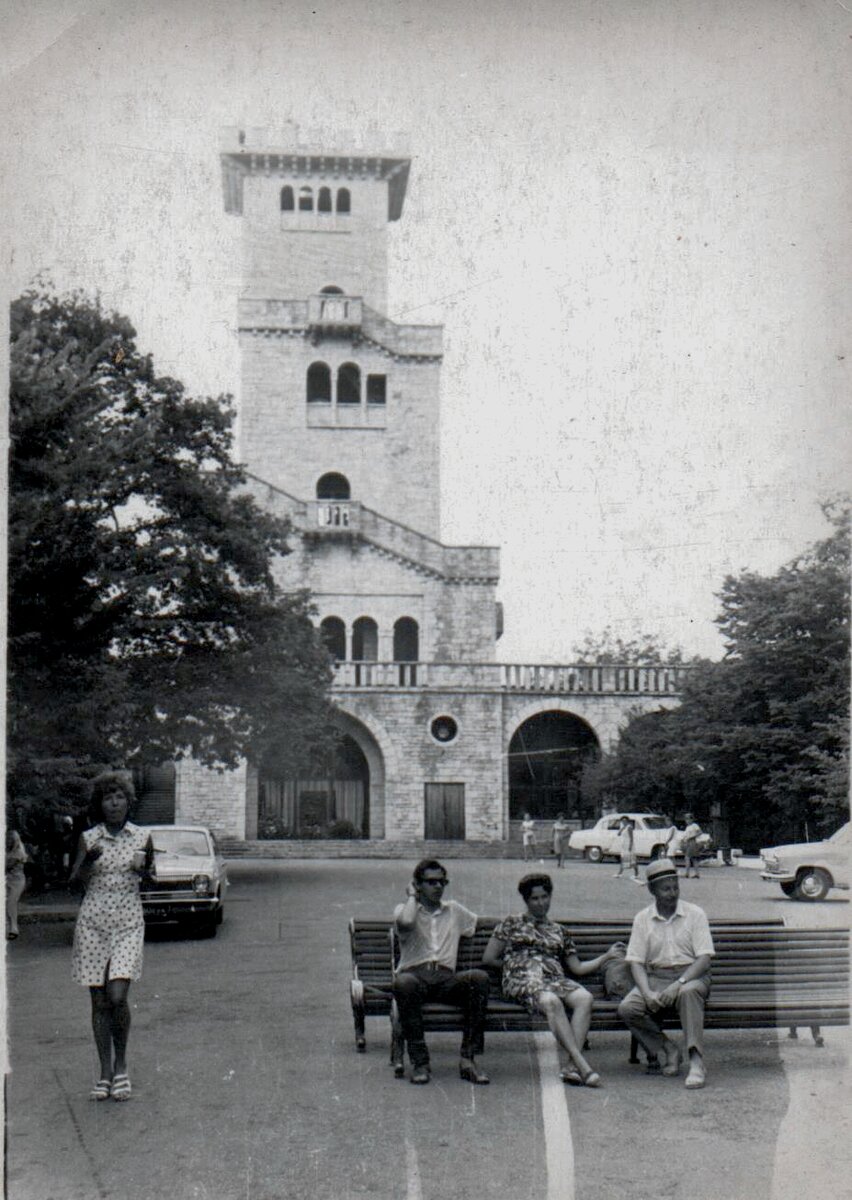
x=694, y=971
x=640, y=978
x=406, y=915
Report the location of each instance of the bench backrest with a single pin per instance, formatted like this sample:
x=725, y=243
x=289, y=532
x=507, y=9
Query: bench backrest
x=749, y=954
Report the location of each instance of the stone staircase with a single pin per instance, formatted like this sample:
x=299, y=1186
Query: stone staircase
x=367, y=848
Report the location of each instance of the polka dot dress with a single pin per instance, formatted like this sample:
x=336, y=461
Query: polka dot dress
x=110, y=929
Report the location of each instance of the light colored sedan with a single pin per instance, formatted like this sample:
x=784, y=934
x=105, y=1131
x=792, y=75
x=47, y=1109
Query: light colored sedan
x=601, y=841
x=809, y=870
x=190, y=878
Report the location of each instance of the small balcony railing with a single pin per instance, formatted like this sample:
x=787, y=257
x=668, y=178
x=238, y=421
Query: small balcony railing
x=334, y=314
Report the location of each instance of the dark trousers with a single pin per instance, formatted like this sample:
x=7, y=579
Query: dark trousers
x=467, y=990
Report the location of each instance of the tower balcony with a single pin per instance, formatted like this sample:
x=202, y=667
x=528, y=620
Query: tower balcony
x=333, y=518
x=333, y=315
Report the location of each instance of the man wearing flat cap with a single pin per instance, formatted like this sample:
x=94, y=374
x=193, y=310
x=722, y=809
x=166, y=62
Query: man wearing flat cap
x=669, y=952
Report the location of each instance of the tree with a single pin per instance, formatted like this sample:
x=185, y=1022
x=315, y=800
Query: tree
x=762, y=736
x=144, y=620
x=607, y=648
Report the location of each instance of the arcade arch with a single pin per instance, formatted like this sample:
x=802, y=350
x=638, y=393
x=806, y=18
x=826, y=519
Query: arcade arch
x=547, y=753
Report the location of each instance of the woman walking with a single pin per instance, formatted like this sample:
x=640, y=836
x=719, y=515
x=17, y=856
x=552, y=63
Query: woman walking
x=111, y=859
x=16, y=856
x=534, y=953
x=560, y=829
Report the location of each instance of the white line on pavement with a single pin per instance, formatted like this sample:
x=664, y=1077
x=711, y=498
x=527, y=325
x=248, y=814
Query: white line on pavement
x=559, y=1146
x=412, y=1172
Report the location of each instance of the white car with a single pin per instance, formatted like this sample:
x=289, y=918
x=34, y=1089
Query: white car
x=190, y=878
x=649, y=836
x=808, y=870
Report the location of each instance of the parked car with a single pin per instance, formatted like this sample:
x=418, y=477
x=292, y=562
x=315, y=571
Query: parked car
x=601, y=841
x=808, y=870
x=190, y=878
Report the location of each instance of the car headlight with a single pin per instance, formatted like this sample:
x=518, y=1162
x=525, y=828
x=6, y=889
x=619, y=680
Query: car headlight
x=201, y=884
x=770, y=861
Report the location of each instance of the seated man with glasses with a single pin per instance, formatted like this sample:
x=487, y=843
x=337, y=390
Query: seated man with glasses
x=429, y=928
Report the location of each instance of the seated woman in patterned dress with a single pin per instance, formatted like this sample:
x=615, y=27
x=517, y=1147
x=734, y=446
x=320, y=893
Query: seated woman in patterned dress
x=534, y=953
x=111, y=859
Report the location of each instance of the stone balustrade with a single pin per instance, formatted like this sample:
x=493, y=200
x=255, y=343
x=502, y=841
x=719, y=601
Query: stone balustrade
x=579, y=678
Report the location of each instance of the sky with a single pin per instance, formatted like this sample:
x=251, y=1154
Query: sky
x=630, y=217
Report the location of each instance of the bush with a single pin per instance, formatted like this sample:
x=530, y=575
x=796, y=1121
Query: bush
x=343, y=830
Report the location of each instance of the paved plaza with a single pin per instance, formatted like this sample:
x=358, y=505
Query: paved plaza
x=247, y=1085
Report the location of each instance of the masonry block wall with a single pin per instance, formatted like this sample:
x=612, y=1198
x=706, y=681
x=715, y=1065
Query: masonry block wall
x=389, y=453
x=212, y=798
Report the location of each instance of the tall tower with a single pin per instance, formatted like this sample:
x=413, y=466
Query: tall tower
x=337, y=401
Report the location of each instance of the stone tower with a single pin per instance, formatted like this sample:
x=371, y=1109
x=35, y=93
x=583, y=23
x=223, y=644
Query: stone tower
x=338, y=402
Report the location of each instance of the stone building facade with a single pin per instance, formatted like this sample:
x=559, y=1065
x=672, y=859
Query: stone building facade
x=340, y=430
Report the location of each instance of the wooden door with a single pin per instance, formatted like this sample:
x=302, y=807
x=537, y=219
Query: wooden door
x=445, y=812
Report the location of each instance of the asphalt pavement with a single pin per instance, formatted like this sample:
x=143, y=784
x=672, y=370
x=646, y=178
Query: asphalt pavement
x=247, y=1085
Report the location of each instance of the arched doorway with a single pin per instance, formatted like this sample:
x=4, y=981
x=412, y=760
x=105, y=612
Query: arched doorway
x=342, y=797
x=546, y=758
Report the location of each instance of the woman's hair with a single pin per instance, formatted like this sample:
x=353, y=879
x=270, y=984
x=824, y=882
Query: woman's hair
x=105, y=783
x=529, y=882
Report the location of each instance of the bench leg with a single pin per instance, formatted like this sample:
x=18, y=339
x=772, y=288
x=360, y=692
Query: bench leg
x=397, y=1044
x=819, y=1040
x=793, y=1033
x=359, y=1013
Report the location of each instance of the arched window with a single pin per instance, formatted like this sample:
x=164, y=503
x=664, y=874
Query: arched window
x=333, y=634
x=287, y=202
x=333, y=486
x=318, y=387
x=344, y=201
x=406, y=640
x=349, y=384
x=306, y=199
x=365, y=640
x=331, y=290
x=324, y=200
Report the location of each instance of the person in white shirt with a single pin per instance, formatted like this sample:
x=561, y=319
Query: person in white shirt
x=691, y=847
x=670, y=952
x=528, y=836
x=429, y=928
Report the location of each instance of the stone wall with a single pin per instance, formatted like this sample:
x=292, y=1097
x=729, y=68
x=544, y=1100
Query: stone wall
x=212, y=798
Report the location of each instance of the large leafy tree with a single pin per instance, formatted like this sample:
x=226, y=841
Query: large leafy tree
x=762, y=736
x=144, y=621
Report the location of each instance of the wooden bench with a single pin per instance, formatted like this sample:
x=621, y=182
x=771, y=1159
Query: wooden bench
x=765, y=976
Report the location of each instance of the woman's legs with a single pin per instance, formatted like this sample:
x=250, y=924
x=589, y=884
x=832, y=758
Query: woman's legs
x=111, y=1025
x=102, y=1029
x=14, y=890
x=119, y=1020
x=554, y=1010
x=580, y=1003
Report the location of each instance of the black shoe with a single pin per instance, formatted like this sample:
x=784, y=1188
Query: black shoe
x=421, y=1074
x=471, y=1072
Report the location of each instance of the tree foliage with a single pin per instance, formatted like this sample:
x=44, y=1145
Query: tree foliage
x=607, y=648
x=763, y=734
x=144, y=621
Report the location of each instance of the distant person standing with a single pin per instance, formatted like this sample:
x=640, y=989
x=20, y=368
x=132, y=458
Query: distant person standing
x=16, y=856
x=627, y=850
x=528, y=836
x=691, y=847
x=560, y=830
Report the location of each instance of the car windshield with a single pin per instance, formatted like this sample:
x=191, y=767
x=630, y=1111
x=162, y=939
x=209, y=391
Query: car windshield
x=656, y=823
x=842, y=833
x=191, y=842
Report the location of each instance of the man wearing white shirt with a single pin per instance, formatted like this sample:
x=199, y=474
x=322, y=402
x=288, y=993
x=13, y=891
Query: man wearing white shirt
x=670, y=952
x=429, y=928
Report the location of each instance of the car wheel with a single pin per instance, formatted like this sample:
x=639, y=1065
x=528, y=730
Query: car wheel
x=789, y=889
x=812, y=884
x=206, y=926
x=593, y=853
x=220, y=914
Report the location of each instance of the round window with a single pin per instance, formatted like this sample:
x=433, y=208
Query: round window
x=444, y=729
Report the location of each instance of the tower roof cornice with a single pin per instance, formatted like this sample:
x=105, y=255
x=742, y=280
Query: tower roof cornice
x=254, y=152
